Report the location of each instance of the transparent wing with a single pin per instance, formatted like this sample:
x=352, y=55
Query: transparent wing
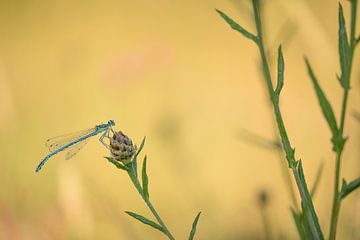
x=73, y=150
x=60, y=141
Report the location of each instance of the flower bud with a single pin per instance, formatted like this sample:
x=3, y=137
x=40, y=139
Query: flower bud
x=121, y=147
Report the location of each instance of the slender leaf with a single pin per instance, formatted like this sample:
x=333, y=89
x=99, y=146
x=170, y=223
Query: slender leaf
x=325, y=105
x=347, y=188
x=193, y=228
x=141, y=147
x=344, y=49
x=357, y=40
x=306, y=225
x=145, y=180
x=236, y=26
x=308, y=208
x=317, y=179
x=134, y=158
x=145, y=221
x=280, y=80
x=116, y=163
x=298, y=223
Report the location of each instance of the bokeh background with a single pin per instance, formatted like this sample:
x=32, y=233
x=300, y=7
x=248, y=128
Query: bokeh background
x=175, y=72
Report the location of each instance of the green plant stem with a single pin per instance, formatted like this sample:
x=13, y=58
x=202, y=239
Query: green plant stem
x=337, y=194
x=336, y=199
x=266, y=74
x=311, y=216
x=149, y=204
x=289, y=181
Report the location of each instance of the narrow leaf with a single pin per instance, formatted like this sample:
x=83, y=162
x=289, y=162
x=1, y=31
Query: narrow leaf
x=308, y=208
x=280, y=79
x=343, y=49
x=317, y=179
x=145, y=221
x=141, y=147
x=236, y=26
x=134, y=158
x=193, y=229
x=145, y=180
x=298, y=223
x=116, y=163
x=306, y=225
x=357, y=40
x=347, y=188
x=324, y=104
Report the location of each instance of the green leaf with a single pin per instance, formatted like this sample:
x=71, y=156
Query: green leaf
x=317, y=179
x=357, y=40
x=307, y=228
x=325, y=106
x=134, y=158
x=141, y=147
x=116, y=163
x=145, y=180
x=236, y=26
x=347, y=188
x=145, y=221
x=344, y=50
x=298, y=223
x=280, y=80
x=310, y=218
x=193, y=229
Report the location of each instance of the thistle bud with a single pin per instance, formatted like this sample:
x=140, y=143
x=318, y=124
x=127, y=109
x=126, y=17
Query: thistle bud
x=121, y=147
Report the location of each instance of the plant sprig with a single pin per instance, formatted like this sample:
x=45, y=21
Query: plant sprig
x=310, y=221
x=130, y=166
x=346, y=47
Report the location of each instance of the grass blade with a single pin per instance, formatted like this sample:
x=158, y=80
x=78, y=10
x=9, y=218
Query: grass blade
x=145, y=221
x=236, y=26
x=145, y=180
x=193, y=229
x=325, y=106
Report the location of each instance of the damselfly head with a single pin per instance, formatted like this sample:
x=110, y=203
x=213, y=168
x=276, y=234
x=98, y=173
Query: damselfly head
x=111, y=123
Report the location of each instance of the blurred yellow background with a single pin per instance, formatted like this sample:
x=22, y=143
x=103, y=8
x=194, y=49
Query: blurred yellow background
x=175, y=72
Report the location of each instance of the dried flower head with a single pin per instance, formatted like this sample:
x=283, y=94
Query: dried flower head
x=121, y=147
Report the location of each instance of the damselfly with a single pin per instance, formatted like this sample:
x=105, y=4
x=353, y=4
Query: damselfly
x=72, y=143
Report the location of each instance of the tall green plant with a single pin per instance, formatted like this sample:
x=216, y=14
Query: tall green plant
x=347, y=46
x=306, y=220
